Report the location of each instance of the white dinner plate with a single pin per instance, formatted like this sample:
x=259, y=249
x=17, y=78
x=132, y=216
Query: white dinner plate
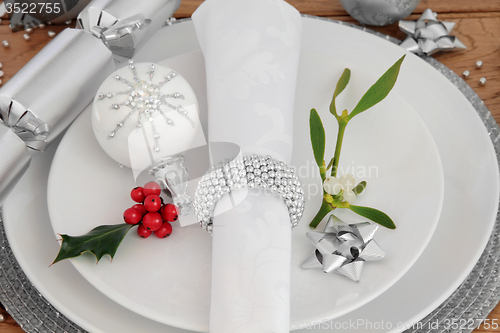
x=471, y=194
x=387, y=146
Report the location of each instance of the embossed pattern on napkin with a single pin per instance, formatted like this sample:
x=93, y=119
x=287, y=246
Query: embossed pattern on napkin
x=251, y=51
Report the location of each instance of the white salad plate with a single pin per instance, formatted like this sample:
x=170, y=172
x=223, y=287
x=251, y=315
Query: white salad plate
x=470, y=176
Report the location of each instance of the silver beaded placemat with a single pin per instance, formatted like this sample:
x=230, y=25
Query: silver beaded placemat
x=462, y=311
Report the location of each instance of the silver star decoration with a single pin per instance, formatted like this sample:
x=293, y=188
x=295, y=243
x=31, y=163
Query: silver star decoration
x=145, y=98
x=427, y=35
x=343, y=248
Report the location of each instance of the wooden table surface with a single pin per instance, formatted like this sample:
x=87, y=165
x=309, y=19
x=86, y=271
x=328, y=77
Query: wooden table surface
x=477, y=26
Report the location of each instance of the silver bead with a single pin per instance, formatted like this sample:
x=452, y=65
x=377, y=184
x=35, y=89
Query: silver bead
x=1, y=73
x=41, y=26
x=26, y=37
x=482, y=81
x=117, y=78
x=2, y=317
x=51, y=33
x=29, y=30
x=466, y=74
x=6, y=44
x=68, y=22
x=1, y=65
x=479, y=64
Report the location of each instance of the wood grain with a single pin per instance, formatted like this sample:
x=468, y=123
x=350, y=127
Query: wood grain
x=477, y=26
x=334, y=8
x=9, y=325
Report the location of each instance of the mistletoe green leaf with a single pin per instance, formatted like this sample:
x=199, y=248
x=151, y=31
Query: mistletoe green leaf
x=330, y=164
x=359, y=188
x=317, y=137
x=379, y=90
x=341, y=84
x=374, y=215
x=102, y=240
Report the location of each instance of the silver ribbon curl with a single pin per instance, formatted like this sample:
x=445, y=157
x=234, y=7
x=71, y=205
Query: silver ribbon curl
x=343, y=248
x=427, y=35
x=125, y=25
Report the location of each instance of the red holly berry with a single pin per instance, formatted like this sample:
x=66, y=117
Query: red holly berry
x=152, y=188
x=152, y=203
x=143, y=232
x=164, y=231
x=152, y=221
x=137, y=194
x=141, y=208
x=132, y=216
x=170, y=213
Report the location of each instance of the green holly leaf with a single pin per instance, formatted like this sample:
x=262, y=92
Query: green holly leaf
x=317, y=132
x=379, y=90
x=375, y=215
x=341, y=84
x=102, y=240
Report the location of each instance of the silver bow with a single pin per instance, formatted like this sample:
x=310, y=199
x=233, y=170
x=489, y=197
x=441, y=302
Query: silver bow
x=427, y=35
x=343, y=248
x=124, y=25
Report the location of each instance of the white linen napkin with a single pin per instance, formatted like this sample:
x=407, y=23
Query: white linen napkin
x=251, y=50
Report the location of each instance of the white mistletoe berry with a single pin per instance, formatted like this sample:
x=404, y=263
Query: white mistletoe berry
x=346, y=183
x=332, y=186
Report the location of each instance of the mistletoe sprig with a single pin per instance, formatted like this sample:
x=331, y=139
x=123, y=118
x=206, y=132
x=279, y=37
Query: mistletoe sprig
x=339, y=193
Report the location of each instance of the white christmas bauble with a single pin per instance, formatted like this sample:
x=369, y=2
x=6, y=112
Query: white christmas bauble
x=144, y=112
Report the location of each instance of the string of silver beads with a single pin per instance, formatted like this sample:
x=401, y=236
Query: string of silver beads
x=264, y=172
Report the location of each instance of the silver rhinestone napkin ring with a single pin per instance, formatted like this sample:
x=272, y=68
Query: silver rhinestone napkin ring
x=262, y=172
